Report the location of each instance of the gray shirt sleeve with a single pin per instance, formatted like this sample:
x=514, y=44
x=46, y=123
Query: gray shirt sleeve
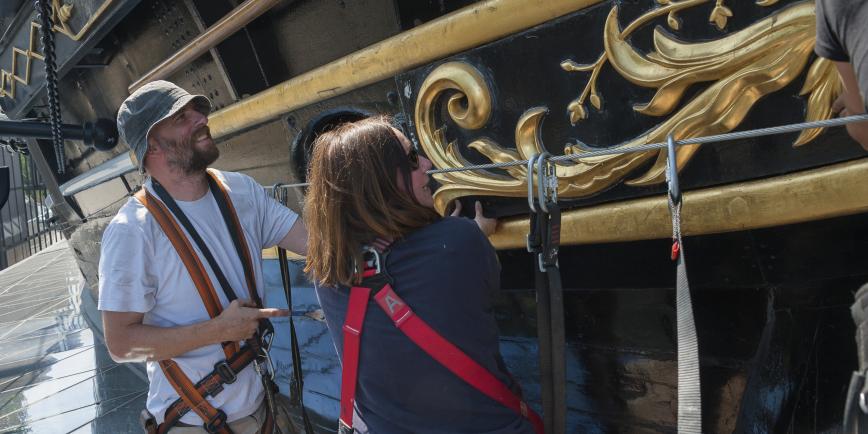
x=828, y=43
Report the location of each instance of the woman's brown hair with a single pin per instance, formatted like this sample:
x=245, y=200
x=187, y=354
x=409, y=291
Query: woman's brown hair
x=354, y=197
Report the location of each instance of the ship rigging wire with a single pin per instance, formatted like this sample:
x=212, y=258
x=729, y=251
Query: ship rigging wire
x=746, y=134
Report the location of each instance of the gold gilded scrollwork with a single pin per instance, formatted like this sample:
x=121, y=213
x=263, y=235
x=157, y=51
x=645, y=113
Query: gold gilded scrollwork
x=470, y=108
x=738, y=69
x=61, y=14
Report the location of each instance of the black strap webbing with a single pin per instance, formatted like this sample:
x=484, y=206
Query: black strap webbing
x=233, y=233
x=296, y=383
x=200, y=243
x=544, y=242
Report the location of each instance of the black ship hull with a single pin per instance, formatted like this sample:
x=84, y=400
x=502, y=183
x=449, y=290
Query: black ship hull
x=774, y=233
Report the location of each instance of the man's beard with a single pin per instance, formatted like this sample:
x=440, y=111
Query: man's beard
x=186, y=157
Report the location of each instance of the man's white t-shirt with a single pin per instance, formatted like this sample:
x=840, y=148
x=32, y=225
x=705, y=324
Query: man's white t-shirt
x=140, y=271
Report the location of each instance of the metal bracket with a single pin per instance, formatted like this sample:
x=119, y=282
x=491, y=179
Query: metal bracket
x=376, y=255
x=542, y=169
x=672, y=171
x=530, y=194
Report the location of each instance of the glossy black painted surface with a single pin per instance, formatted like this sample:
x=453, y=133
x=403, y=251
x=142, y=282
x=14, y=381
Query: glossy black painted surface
x=523, y=71
x=775, y=336
x=772, y=312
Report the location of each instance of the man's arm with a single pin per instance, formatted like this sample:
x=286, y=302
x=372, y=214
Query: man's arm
x=852, y=102
x=128, y=340
x=296, y=239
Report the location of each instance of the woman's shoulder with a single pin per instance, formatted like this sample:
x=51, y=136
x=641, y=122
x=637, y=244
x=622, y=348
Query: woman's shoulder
x=458, y=226
x=448, y=233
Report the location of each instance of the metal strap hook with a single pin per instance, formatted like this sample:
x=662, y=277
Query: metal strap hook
x=530, y=194
x=375, y=257
x=275, y=191
x=279, y=193
x=672, y=171
x=542, y=169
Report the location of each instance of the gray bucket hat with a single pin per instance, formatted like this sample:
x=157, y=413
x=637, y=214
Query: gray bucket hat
x=146, y=107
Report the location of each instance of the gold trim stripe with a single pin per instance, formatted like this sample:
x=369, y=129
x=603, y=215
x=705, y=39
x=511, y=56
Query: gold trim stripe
x=831, y=191
x=461, y=30
x=231, y=23
x=32, y=52
x=271, y=253
x=64, y=27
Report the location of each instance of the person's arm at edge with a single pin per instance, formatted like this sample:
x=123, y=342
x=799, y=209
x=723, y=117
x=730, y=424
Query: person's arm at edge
x=486, y=224
x=296, y=239
x=853, y=104
x=129, y=340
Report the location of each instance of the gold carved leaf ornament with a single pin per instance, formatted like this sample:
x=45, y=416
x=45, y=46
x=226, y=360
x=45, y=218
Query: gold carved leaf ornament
x=739, y=69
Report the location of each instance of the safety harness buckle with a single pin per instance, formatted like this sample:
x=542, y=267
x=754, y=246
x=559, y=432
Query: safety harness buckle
x=545, y=220
x=216, y=423
x=225, y=372
x=863, y=394
x=548, y=257
x=266, y=333
x=374, y=275
x=344, y=428
x=148, y=422
x=375, y=261
x=533, y=241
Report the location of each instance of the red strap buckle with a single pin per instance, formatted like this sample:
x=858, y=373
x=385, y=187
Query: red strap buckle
x=676, y=249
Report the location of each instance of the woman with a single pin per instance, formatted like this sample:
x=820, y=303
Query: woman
x=367, y=184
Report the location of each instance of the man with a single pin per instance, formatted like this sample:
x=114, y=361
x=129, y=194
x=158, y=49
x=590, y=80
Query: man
x=842, y=36
x=152, y=308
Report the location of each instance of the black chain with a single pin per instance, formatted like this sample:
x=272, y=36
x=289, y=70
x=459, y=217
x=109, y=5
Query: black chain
x=43, y=8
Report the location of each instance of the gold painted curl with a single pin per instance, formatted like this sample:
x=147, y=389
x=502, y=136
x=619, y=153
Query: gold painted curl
x=737, y=69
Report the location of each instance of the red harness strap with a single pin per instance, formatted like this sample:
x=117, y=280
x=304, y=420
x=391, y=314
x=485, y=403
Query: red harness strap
x=426, y=338
x=352, y=337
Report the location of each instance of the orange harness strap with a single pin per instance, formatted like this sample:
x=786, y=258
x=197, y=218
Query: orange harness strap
x=246, y=258
x=184, y=387
x=192, y=396
x=215, y=420
x=188, y=257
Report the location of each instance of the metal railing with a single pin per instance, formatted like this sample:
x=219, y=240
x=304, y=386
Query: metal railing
x=26, y=221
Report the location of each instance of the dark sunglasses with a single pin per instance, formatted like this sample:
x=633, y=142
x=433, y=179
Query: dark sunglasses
x=400, y=124
x=413, y=158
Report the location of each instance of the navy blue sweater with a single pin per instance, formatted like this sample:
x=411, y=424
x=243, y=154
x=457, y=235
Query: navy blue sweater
x=446, y=272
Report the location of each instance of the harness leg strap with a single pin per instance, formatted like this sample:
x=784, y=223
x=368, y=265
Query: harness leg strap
x=352, y=331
